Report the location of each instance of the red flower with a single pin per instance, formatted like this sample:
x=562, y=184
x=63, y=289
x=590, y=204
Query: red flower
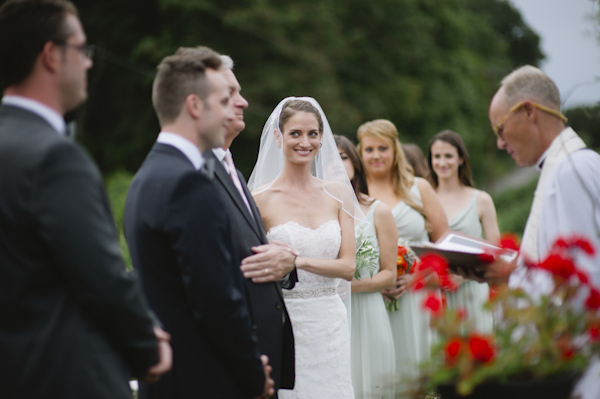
x=585, y=245
x=594, y=332
x=461, y=313
x=559, y=266
x=435, y=262
x=582, y=276
x=593, y=301
x=418, y=285
x=487, y=258
x=509, y=241
x=481, y=348
x=452, y=349
x=433, y=303
x=567, y=353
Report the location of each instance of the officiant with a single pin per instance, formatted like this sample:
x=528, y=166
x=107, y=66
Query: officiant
x=525, y=115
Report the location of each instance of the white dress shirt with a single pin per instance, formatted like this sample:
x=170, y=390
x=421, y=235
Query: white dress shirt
x=184, y=145
x=51, y=116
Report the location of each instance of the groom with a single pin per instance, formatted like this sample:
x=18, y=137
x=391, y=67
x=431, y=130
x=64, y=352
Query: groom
x=181, y=243
x=272, y=262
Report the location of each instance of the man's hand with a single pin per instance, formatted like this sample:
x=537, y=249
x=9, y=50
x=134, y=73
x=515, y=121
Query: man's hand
x=495, y=273
x=269, y=389
x=271, y=262
x=165, y=357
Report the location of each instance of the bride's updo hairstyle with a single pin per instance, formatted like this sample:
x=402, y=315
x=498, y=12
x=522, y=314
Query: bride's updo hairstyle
x=292, y=107
x=402, y=172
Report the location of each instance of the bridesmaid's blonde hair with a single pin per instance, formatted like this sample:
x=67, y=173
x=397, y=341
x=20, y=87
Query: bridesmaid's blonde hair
x=402, y=172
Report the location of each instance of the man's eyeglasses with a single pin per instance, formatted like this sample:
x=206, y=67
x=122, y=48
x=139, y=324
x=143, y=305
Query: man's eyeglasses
x=499, y=127
x=86, y=49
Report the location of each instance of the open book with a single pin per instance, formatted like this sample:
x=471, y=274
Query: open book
x=463, y=252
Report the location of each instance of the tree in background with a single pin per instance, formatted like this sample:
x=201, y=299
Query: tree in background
x=424, y=64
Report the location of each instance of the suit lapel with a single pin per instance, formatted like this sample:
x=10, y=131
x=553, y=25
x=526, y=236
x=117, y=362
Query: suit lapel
x=226, y=181
x=255, y=211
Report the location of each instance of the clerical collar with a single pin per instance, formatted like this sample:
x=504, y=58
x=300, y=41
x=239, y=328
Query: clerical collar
x=540, y=163
x=48, y=114
x=185, y=146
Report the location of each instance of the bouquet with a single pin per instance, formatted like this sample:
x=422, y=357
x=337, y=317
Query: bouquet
x=367, y=256
x=535, y=336
x=404, y=264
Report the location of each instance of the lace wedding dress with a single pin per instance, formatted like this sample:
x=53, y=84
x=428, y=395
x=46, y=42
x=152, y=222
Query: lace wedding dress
x=318, y=316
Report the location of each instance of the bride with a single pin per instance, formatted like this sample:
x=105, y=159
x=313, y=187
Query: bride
x=305, y=199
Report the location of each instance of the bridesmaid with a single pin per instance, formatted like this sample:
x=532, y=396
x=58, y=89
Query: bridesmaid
x=419, y=217
x=416, y=159
x=372, y=346
x=469, y=211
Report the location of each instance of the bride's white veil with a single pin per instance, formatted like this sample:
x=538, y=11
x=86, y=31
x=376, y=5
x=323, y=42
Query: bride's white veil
x=326, y=166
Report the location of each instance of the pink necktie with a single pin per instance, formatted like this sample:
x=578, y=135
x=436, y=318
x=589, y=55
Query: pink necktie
x=236, y=180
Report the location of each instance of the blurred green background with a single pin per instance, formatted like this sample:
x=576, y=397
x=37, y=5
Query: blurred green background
x=426, y=65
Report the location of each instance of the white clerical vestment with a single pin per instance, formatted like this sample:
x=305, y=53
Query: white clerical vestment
x=566, y=203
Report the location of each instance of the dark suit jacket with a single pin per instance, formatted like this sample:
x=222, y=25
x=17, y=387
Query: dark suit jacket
x=266, y=302
x=180, y=241
x=73, y=321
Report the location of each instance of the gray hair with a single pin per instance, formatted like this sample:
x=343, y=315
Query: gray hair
x=528, y=82
x=226, y=62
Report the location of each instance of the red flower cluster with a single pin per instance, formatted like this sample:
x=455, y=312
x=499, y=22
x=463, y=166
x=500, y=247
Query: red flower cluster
x=452, y=349
x=433, y=303
x=558, y=265
x=593, y=301
x=561, y=265
x=480, y=348
x=433, y=263
x=509, y=241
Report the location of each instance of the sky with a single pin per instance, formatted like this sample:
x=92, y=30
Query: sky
x=569, y=39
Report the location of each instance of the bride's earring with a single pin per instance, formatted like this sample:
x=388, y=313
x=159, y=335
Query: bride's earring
x=320, y=144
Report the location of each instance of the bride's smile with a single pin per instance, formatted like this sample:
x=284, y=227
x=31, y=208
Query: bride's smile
x=301, y=137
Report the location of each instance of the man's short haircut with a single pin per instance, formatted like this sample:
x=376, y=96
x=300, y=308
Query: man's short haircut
x=180, y=75
x=528, y=82
x=25, y=27
x=226, y=62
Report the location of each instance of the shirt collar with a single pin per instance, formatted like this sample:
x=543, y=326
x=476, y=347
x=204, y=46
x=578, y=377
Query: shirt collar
x=51, y=116
x=185, y=146
x=220, y=153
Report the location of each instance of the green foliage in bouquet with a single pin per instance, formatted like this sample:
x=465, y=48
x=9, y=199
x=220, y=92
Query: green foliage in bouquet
x=367, y=256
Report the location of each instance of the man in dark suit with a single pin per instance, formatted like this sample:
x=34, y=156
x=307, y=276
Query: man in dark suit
x=272, y=262
x=73, y=321
x=181, y=241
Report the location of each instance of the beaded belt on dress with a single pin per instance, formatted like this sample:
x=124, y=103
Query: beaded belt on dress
x=309, y=292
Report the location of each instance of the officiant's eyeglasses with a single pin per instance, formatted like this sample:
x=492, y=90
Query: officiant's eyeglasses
x=86, y=49
x=499, y=127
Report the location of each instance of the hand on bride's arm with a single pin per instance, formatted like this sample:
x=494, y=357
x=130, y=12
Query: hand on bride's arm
x=271, y=262
x=269, y=389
